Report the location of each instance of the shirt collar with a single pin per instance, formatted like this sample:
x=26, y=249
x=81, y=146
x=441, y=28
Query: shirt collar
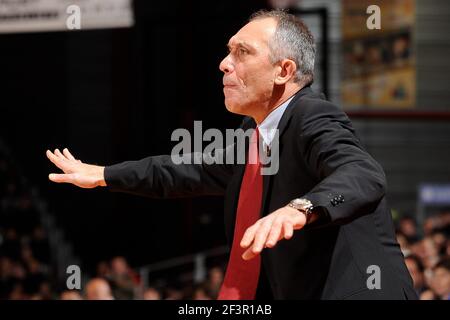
x=268, y=127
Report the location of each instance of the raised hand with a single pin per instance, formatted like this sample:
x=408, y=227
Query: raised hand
x=76, y=172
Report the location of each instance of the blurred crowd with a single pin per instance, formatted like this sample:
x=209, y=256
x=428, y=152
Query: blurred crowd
x=116, y=280
x=25, y=264
x=427, y=256
x=27, y=270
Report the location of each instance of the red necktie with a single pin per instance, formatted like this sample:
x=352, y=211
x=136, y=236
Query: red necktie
x=241, y=277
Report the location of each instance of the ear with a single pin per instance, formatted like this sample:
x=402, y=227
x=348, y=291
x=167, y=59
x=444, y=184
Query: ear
x=286, y=71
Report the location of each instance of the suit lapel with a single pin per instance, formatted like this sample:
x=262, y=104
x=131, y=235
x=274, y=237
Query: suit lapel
x=282, y=125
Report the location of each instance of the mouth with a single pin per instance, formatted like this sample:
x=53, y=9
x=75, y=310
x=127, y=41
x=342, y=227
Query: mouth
x=229, y=87
x=228, y=84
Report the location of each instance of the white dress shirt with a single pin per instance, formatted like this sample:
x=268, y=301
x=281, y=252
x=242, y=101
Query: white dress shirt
x=268, y=127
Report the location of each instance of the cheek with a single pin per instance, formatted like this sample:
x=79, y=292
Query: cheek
x=254, y=83
x=241, y=79
x=260, y=80
x=447, y=282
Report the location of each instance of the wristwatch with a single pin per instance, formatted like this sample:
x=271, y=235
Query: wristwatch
x=303, y=205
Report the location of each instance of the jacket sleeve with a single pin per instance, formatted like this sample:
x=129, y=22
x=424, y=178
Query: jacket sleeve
x=351, y=182
x=161, y=177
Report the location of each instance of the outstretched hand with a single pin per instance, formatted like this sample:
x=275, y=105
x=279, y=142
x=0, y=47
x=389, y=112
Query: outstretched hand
x=76, y=172
x=267, y=231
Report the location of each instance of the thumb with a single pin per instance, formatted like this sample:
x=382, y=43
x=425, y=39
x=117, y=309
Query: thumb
x=60, y=178
x=248, y=254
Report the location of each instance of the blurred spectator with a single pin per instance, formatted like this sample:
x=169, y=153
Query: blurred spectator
x=44, y=292
x=39, y=245
x=201, y=293
x=98, y=289
x=440, y=241
x=11, y=245
x=123, y=279
x=151, y=294
x=17, y=292
x=215, y=280
x=407, y=227
x=416, y=270
x=441, y=280
x=103, y=270
x=403, y=242
x=70, y=295
x=437, y=222
x=173, y=294
x=35, y=277
x=427, y=252
x=6, y=279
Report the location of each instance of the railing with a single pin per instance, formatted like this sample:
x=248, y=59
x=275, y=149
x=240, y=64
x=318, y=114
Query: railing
x=197, y=259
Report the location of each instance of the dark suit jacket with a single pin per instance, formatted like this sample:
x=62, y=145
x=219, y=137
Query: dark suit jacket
x=320, y=158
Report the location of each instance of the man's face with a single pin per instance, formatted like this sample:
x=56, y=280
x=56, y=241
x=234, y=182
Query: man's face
x=415, y=273
x=248, y=73
x=441, y=282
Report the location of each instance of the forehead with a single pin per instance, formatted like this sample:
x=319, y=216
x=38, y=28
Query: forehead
x=255, y=33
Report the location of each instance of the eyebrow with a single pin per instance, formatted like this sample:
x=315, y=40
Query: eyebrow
x=241, y=44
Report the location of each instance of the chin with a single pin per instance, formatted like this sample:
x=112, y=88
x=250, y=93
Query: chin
x=235, y=108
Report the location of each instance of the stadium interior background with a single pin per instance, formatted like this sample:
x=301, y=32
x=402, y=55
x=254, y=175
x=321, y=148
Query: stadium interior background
x=112, y=95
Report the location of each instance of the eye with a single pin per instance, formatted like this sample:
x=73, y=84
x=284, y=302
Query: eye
x=242, y=51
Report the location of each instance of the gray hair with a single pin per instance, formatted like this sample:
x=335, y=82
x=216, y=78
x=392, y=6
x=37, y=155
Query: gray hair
x=291, y=40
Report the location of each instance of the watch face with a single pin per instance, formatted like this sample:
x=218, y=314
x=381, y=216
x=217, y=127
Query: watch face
x=300, y=202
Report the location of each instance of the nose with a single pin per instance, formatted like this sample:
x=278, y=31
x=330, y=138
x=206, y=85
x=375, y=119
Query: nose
x=226, y=65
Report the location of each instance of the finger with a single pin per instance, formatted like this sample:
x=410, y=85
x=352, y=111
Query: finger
x=56, y=161
x=248, y=254
x=60, y=155
x=68, y=154
x=274, y=234
x=261, y=237
x=61, y=177
x=288, y=229
x=249, y=235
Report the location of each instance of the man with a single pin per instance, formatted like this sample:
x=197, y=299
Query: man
x=416, y=270
x=70, y=295
x=327, y=199
x=98, y=289
x=441, y=279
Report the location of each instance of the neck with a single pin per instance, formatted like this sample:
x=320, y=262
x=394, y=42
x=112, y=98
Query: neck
x=278, y=97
